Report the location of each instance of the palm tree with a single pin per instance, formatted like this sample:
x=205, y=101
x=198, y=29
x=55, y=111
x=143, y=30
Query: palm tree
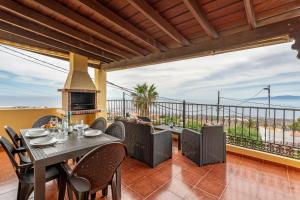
x=143, y=96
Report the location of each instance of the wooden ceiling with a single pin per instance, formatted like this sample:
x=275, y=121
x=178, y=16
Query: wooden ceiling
x=131, y=33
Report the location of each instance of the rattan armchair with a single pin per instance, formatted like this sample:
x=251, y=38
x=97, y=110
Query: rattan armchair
x=100, y=124
x=205, y=147
x=44, y=120
x=146, y=145
x=94, y=172
x=25, y=172
x=116, y=129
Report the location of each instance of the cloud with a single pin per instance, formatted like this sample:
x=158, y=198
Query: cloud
x=237, y=74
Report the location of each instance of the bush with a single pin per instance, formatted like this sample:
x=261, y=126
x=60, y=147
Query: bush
x=295, y=126
x=254, y=135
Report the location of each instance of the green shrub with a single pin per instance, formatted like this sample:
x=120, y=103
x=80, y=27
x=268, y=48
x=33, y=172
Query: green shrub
x=254, y=135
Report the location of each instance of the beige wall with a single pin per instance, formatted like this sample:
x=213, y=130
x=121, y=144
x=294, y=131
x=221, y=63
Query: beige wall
x=18, y=118
x=100, y=82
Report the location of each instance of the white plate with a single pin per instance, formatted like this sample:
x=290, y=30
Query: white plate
x=45, y=141
x=34, y=133
x=92, y=133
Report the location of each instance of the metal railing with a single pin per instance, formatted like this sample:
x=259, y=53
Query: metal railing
x=273, y=130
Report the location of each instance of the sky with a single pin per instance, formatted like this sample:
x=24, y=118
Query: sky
x=236, y=75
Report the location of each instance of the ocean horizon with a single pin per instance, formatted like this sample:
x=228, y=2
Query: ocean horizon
x=55, y=101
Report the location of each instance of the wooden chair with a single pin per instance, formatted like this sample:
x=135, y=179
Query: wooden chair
x=94, y=172
x=25, y=172
x=100, y=124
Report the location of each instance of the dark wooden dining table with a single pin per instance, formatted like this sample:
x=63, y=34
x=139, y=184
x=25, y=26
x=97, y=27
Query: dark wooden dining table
x=71, y=148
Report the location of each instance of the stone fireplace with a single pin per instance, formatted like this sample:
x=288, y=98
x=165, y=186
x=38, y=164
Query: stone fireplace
x=79, y=95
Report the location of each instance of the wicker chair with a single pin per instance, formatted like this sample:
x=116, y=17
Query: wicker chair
x=145, y=119
x=147, y=146
x=15, y=138
x=94, y=172
x=44, y=120
x=99, y=123
x=25, y=172
x=117, y=130
x=205, y=147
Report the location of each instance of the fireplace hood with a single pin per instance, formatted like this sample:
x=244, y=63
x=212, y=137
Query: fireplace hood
x=78, y=77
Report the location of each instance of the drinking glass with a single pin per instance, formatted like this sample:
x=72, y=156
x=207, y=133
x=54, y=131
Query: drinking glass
x=80, y=131
x=61, y=136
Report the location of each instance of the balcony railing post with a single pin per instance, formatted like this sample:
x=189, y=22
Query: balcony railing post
x=124, y=109
x=183, y=113
x=218, y=107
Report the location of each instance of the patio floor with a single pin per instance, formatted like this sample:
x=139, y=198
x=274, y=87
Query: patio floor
x=179, y=178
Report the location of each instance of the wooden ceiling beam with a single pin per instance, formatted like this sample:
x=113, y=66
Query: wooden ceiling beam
x=93, y=27
x=200, y=17
x=44, y=31
x=118, y=21
x=16, y=41
x=47, y=41
x=35, y=47
x=250, y=13
x=23, y=11
x=143, y=7
x=211, y=47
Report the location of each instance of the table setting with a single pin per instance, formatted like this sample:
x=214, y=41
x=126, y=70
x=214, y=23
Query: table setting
x=55, y=132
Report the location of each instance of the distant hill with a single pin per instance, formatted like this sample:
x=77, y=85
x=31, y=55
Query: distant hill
x=282, y=97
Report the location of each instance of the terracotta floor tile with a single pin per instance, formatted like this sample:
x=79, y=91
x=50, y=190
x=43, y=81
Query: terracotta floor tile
x=242, y=187
x=295, y=188
x=196, y=194
x=274, y=182
x=178, y=187
x=164, y=194
x=131, y=176
x=9, y=195
x=189, y=177
x=275, y=195
x=127, y=194
x=212, y=187
x=233, y=159
x=238, y=194
x=146, y=186
x=275, y=170
x=294, y=174
x=179, y=178
x=251, y=164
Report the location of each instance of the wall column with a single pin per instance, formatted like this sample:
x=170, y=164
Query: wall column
x=100, y=82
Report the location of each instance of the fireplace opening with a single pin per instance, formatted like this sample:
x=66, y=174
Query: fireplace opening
x=83, y=101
